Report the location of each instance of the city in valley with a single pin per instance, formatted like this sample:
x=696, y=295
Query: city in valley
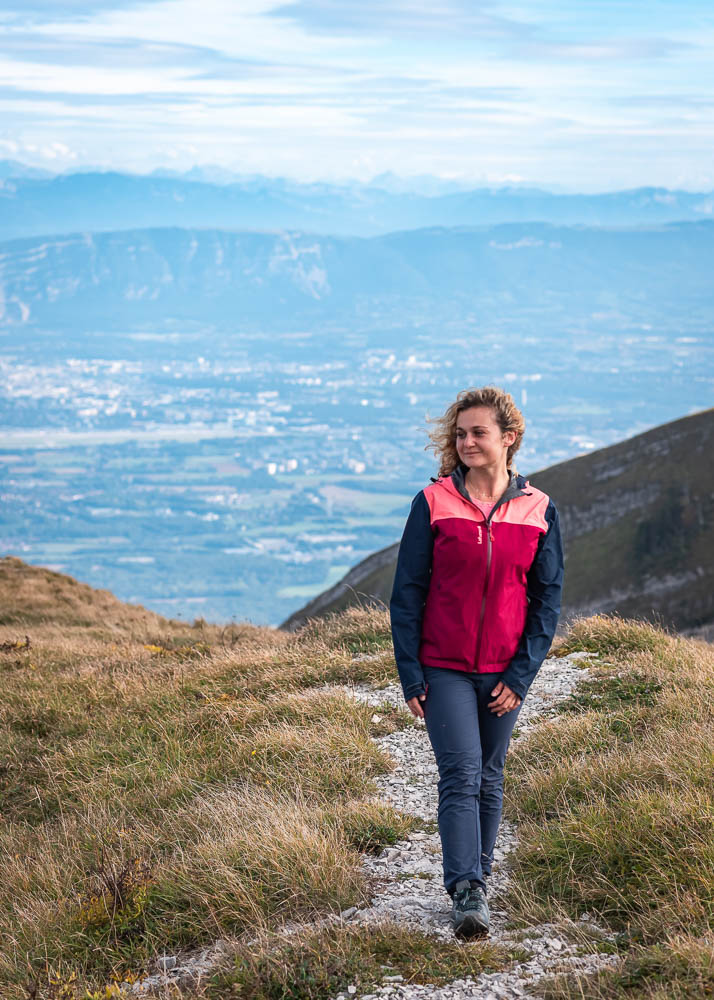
x=232, y=474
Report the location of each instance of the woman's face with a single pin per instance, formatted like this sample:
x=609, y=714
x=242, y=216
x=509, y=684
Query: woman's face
x=480, y=444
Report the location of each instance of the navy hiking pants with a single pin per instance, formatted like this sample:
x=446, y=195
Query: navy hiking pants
x=470, y=743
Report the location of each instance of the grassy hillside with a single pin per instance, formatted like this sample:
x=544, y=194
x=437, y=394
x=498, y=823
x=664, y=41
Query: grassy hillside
x=369, y=583
x=638, y=527
x=160, y=789
x=614, y=802
x=34, y=595
x=157, y=796
x=638, y=520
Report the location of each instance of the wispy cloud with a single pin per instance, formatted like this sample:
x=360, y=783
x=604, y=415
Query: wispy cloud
x=404, y=18
x=77, y=50
x=595, y=94
x=41, y=11
x=531, y=34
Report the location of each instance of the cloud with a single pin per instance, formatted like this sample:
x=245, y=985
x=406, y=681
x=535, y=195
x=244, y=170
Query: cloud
x=315, y=86
x=40, y=11
x=606, y=49
x=659, y=100
x=543, y=34
x=405, y=18
x=122, y=52
x=67, y=97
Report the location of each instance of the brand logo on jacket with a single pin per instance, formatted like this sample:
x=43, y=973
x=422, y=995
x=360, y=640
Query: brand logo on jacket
x=480, y=534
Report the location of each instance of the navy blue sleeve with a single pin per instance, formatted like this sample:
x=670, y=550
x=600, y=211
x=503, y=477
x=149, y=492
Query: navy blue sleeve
x=411, y=585
x=544, y=588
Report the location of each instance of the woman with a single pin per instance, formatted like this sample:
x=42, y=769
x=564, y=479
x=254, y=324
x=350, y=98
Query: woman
x=474, y=609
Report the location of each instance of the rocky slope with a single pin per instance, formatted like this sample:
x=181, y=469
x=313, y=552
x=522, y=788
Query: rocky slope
x=271, y=277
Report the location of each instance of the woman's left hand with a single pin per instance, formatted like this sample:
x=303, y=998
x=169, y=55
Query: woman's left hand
x=505, y=699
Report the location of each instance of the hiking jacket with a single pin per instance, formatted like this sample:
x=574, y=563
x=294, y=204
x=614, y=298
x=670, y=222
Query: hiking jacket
x=476, y=593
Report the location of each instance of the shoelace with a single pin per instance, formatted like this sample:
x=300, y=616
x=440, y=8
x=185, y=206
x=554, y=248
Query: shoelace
x=472, y=895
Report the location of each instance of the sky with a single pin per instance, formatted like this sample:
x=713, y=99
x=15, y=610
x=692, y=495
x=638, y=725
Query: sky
x=587, y=95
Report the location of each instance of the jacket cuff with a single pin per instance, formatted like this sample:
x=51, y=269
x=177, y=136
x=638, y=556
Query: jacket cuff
x=518, y=687
x=413, y=690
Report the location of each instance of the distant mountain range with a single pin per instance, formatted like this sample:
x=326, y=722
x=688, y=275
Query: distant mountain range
x=13, y=168
x=33, y=204
x=274, y=278
x=638, y=528
x=423, y=184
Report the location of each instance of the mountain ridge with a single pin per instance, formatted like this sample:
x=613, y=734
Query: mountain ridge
x=105, y=200
x=273, y=277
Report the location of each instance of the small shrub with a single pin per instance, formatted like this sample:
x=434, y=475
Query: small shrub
x=121, y=899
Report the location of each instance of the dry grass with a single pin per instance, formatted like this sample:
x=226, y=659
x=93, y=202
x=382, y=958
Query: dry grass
x=33, y=595
x=680, y=969
x=615, y=806
x=163, y=785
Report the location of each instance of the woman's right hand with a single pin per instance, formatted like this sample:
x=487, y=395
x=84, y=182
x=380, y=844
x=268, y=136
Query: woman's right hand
x=415, y=705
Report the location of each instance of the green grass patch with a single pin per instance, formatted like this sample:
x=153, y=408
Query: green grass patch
x=321, y=964
x=77, y=747
x=607, y=635
x=627, y=862
x=609, y=693
x=370, y=826
x=682, y=968
x=237, y=860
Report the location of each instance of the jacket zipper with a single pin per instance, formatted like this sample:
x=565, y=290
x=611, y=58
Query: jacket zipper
x=489, y=542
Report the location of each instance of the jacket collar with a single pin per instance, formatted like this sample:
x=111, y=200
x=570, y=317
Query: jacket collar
x=517, y=485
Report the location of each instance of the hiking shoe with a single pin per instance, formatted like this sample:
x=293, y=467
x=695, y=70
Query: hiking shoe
x=469, y=910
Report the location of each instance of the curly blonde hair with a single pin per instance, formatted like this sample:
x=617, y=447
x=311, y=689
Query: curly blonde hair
x=505, y=411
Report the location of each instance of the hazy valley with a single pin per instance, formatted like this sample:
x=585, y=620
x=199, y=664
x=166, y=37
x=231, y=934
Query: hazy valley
x=221, y=423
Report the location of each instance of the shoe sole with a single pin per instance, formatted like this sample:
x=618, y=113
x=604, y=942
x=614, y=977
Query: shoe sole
x=471, y=926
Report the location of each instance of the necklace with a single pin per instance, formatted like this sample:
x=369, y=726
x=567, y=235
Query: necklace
x=483, y=496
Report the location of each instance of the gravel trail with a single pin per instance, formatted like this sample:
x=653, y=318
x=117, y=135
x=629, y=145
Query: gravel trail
x=409, y=875
x=407, y=878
